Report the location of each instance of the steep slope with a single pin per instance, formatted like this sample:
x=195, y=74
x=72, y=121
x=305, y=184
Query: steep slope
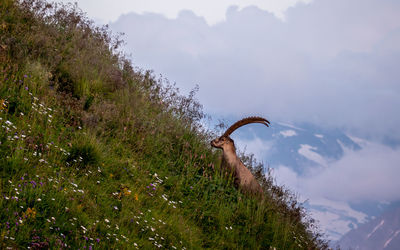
x=96, y=154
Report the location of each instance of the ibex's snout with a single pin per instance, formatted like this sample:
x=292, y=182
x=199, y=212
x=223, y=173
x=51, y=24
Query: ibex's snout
x=214, y=143
x=218, y=142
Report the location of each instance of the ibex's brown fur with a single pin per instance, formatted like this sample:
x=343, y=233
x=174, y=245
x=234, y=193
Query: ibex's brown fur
x=243, y=177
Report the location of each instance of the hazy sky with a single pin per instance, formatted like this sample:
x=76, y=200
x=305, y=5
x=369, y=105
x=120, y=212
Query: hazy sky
x=333, y=63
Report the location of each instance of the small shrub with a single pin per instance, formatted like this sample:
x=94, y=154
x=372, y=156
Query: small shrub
x=83, y=155
x=39, y=75
x=64, y=80
x=88, y=103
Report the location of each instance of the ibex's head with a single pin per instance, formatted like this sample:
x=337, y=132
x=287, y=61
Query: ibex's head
x=225, y=140
x=221, y=142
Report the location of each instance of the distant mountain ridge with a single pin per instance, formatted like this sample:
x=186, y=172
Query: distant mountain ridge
x=299, y=147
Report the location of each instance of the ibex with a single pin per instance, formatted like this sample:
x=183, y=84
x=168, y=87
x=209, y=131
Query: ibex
x=243, y=177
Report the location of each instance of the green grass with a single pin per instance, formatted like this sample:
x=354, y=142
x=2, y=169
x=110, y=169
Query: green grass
x=95, y=154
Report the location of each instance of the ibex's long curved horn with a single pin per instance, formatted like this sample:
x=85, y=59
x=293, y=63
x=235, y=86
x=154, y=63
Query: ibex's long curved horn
x=245, y=121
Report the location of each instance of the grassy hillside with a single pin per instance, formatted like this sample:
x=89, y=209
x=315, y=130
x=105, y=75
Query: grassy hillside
x=95, y=154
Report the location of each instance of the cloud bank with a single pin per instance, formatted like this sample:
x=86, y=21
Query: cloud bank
x=370, y=174
x=334, y=63
x=105, y=11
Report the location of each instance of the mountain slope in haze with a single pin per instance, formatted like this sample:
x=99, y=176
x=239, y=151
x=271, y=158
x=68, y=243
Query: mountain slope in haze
x=297, y=152
x=380, y=233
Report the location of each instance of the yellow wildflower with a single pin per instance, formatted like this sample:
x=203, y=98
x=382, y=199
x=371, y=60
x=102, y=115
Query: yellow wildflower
x=3, y=104
x=126, y=191
x=80, y=206
x=30, y=213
